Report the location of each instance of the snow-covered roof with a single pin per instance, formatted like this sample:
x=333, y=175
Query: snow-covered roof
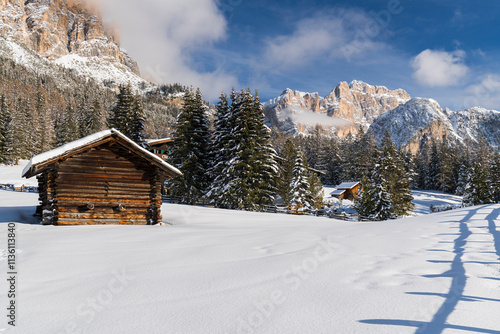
x=158, y=141
x=337, y=192
x=347, y=185
x=46, y=158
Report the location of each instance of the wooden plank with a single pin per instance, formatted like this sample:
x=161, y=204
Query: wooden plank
x=68, y=221
x=82, y=215
x=115, y=184
x=91, y=198
x=96, y=161
x=110, y=204
x=84, y=201
x=70, y=176
x=105, y=191
x=103, y=211
x=87, y=165
x=91, y=172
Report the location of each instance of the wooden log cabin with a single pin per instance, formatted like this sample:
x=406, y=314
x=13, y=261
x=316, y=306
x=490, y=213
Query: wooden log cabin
x=347, y=190
x=104, y=178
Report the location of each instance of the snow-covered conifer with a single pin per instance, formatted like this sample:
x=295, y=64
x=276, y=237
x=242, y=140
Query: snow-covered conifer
x=300, y=194
x=191, y=150
x=478, y=190
x=494, y=172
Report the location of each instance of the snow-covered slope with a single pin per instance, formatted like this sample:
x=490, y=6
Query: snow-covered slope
x=109, y=73
x=94, y=68
x=477, y=124
x=418, y=119
x=13, y=175
x=221, y=271
x=421, y=120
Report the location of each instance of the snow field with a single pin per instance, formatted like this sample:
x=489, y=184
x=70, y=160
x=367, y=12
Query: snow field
x=221, y=271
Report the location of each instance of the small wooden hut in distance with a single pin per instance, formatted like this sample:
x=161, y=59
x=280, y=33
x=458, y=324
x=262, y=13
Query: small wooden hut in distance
x=104, y=178
x=347, y=190
x=161, y=147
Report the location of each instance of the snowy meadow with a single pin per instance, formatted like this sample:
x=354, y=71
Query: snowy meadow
x=220, y=271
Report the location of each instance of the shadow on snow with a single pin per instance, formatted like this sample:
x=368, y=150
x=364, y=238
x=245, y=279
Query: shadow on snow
x=455, y=293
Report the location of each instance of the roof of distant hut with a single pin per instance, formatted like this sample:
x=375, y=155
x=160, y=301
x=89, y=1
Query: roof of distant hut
x=159, y=141
x=39, y=162
x=347, y=185
x=337, y=192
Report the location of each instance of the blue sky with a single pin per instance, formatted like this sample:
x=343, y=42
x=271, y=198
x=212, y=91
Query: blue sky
x=447, y=50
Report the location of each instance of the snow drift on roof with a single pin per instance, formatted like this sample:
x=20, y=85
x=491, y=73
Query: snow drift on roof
x=77, y=144
x=347, y=185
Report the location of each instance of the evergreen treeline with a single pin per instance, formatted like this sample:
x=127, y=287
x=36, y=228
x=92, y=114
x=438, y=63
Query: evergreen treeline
x=438, y=165
x=39, y=112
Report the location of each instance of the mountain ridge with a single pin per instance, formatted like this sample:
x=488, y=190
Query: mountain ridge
x=411, y=122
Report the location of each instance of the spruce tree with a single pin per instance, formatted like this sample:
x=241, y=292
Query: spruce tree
x=387, y=193
x=333, y=163
x=17, y=134
x=289, y=155
x=421, y=167
x=45, y=128
x=68, y=129
x=317, y=190
x=94, y=119
x=265, y=167
x=191, y=150
x=122, y=115
x=367, y=153
x=434, y=171
x=221, y=153
x=300, y=189
x=364, y=204
x=248, y=177
x=137, y=123
x=478, y=190
x=4, y=123
x=494, y=172
x=379, y=196
x=398, y=180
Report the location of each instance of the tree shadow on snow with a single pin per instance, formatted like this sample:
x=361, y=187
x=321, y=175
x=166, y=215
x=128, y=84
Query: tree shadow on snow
x=18, y=214
x=492, y=228
x=459, y=279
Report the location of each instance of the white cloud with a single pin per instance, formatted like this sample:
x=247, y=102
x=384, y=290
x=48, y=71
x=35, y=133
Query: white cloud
x=309, y=118
x=341, y=34
x=485, y=94
x=161, y=36
x=439, y=68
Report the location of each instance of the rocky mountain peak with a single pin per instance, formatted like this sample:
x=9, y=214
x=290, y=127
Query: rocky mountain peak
x=58, y=28
x=417, y=122
x=357, y=103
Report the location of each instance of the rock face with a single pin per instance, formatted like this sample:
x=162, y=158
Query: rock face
x=57, y=28
x=476, y=124
x=421, y=121
x=362, y=103
x=416, y=122
x=348, y=106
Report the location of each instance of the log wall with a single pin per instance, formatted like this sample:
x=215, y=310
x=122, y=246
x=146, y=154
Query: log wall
x=105, y=185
